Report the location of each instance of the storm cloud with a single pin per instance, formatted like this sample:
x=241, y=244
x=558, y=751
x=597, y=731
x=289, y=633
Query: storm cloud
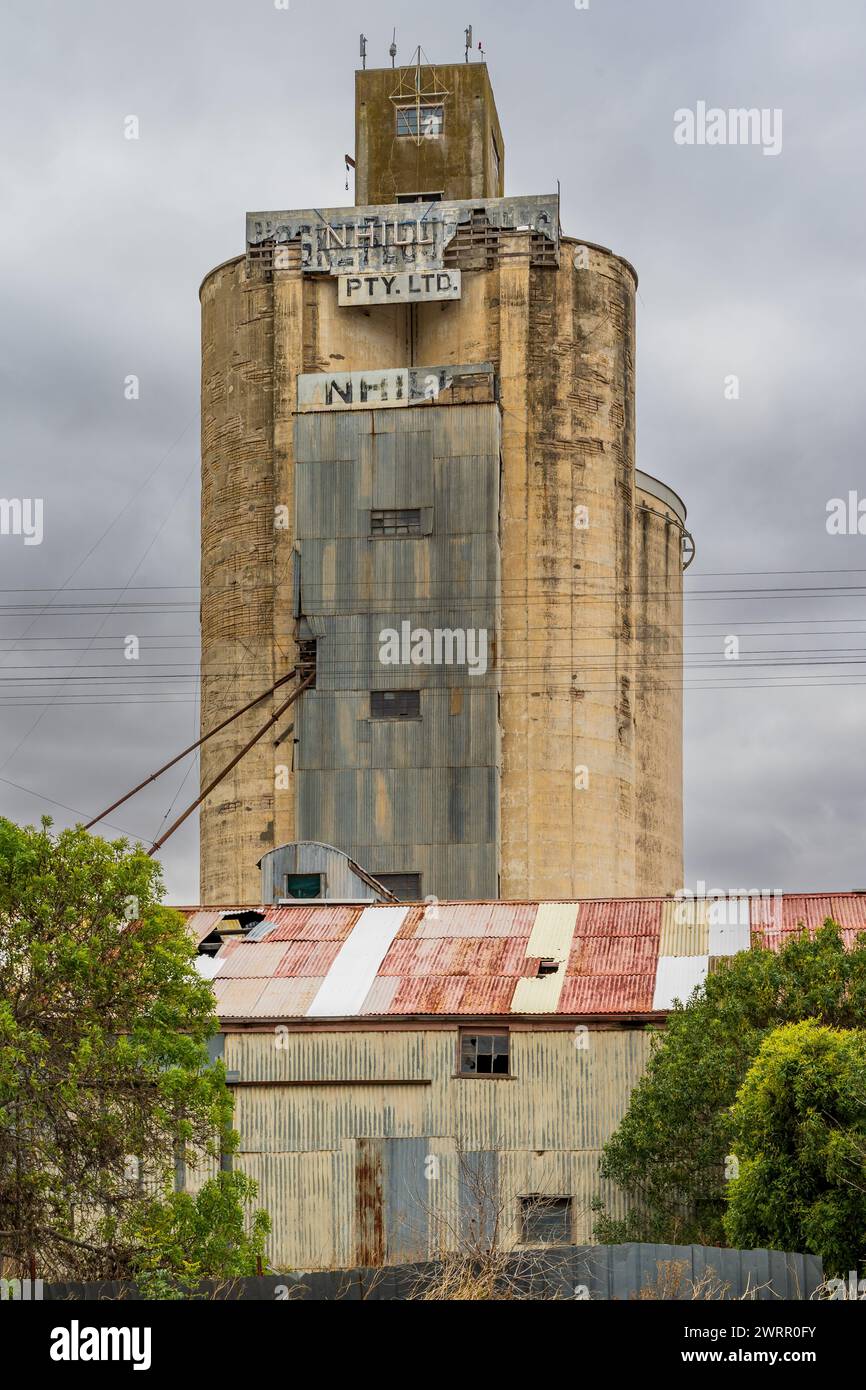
x=750, y=267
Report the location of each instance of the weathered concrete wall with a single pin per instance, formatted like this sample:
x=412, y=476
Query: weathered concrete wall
x=237, y=575
x=658, y=590
x=567, y=392
x=459, y=163
x=591, y=739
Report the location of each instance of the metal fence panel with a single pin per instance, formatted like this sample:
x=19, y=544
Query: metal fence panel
x=596, y=1272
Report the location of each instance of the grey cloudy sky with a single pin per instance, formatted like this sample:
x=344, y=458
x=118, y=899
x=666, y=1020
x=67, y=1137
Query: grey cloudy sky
x=748, y=264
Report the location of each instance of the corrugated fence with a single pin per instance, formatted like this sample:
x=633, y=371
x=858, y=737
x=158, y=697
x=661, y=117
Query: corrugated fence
x=589, y=1272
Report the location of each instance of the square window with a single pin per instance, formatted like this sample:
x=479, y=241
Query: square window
x=307, y=651
x=395, y=704
x=303, y=885
x=395, y=521
x=406, y=887
x=545, y=1220
x=425, y=121
x=483, y=1054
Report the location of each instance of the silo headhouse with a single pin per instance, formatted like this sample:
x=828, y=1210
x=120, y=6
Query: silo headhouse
x=419, y=489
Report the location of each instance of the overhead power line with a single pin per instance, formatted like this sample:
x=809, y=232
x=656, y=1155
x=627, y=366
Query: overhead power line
x=210, y=733
x=223, y=773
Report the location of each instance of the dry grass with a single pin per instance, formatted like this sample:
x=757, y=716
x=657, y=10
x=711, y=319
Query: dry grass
x=672, y=1284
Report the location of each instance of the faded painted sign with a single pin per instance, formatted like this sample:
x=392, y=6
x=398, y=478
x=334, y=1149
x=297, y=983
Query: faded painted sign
x=353, y=390
x=390, y=386
x=406, y=286
x=395, y=236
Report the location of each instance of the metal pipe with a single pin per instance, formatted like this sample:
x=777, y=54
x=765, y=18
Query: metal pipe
x=153, y=776
x=308, y=680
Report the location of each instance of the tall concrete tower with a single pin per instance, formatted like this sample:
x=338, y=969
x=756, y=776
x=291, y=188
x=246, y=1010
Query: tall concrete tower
x=418, y=475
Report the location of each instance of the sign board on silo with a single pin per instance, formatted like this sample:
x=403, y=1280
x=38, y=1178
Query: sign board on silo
x=408, y=287
x=392, y=386
x=353, y=390
x=396, y=236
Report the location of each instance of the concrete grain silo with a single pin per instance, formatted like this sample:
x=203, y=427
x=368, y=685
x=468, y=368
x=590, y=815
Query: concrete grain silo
x=418, y=418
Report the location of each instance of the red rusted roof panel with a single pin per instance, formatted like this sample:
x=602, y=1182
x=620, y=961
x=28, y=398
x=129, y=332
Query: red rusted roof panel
x=478, y=919
x=314, y=922
x=813, y=909
x=607, y=994
x=414, y=916
x=440, y=994
x=489, y=995
x=286, y=998
x=309, y=958
x=462, y=955
x=237, y=998
x=613, y=955
x=620, y=917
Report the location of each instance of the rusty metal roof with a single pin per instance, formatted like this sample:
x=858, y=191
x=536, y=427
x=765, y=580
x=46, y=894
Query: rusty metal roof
x=201, y=924
x=602, y=958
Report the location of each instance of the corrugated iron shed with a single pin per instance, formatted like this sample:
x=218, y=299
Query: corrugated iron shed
x=603, y=958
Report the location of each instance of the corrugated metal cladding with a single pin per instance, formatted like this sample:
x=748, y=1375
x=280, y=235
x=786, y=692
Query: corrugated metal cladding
x=398, y=1157
x=414, y=796
x=339, y=879
x=367, y=1144
x=201, y=924
x=685, y=928
x=487, y=958
x=549, y=942
x=356, y=965
x=677, y=977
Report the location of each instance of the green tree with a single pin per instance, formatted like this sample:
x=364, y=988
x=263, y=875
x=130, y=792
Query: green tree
x=669, y=1152
x=799, y=1133
x=104, y=1071
x=182, y=1239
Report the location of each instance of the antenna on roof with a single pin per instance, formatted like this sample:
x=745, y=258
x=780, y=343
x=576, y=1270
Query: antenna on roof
x=480, y=49
x=468, y=36
x=393, y=49
x=364, y=51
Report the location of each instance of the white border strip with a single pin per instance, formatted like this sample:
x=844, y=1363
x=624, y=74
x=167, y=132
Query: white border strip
x=350, y=978
x=676, y=977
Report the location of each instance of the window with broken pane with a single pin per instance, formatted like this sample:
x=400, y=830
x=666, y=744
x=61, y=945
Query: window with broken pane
x=483, y=1054
x=392, y=521
x=545, y=1220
